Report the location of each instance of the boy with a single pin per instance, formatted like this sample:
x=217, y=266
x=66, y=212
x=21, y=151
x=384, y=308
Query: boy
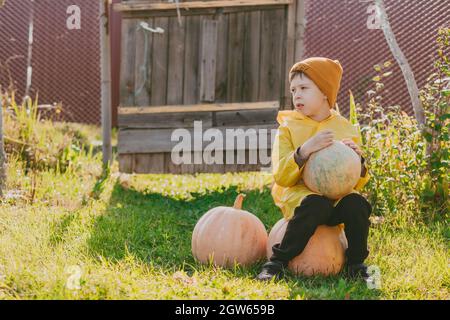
x=312, y=126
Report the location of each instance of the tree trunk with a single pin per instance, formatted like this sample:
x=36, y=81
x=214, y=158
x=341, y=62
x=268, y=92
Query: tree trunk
x=402, y=61
x=105, y=62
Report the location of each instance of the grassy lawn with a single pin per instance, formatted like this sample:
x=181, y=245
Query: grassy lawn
x=87, y=234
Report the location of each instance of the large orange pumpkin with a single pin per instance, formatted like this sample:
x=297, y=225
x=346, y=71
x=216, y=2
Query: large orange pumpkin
x=324, y=254
x=226, y=235
x=333, y=171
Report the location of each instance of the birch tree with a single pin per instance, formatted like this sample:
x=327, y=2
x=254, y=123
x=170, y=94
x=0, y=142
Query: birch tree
x=402, y=62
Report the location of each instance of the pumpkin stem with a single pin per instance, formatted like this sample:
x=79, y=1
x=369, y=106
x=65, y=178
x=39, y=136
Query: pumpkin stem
x=238, y=201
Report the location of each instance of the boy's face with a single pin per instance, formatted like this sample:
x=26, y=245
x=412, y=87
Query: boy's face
x=307, y=97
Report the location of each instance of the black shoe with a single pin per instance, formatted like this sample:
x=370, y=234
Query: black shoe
x=357, y=271
x=271, y=270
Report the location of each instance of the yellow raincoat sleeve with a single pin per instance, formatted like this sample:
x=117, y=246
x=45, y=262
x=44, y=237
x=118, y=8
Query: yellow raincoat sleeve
x=363, y=180
x=285, y=170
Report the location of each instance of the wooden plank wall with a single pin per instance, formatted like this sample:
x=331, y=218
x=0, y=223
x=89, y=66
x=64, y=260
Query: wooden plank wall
x=218, y=56
x=165, y=69
x=162, y=163
x=146, y=138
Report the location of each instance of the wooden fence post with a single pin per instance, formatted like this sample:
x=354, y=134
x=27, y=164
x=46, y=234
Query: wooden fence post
x=105, y=62
x=2, y=152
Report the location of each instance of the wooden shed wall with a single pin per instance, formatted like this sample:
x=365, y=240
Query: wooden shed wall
x=165, y=69
x=218, y=56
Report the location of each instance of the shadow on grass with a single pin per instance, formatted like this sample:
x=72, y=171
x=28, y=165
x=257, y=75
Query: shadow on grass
x=157, y=229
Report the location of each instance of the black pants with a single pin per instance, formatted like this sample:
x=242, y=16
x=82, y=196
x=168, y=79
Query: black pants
x=353, y=210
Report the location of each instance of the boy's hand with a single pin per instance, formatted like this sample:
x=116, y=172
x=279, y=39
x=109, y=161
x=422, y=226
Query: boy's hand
x=353, y=145
x=317, y=142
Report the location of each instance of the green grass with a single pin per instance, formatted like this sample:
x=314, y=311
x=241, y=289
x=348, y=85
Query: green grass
x=130, y=238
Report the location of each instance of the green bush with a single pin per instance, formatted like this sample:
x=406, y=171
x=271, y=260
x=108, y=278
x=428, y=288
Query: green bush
x=39, y=144
x=409, y=163
x=435, y=98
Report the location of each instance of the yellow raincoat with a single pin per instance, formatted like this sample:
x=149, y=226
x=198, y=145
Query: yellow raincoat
x=295, y=128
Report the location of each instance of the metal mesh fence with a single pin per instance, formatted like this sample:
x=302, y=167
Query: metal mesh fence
x=65, y=62
x=339, y=30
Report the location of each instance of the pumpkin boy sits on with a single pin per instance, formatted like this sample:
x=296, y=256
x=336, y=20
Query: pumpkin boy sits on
x=312, y=126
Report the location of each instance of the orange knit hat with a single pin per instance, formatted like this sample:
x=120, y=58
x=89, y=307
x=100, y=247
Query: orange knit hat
x=324, y=72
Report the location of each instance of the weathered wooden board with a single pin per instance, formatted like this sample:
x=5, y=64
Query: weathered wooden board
x=160, y=140
x=162, y=163
x=209, y=119
x=163, y=6
x=245, y=117
x=210, y=115
x=176, y=61
x=251, y=66
x=142, y=68
x=128, y=52
x=222, y=57
x=270, y=82
x=235, y=56
x=164, y=120
x=198, y=12
x=160, y=54
x=191, y=60
x=157, y=163
x=201, y=107
x=208, y=53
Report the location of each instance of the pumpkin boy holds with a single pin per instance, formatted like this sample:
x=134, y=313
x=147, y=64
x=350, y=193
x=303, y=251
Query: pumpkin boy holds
x=304, y=135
